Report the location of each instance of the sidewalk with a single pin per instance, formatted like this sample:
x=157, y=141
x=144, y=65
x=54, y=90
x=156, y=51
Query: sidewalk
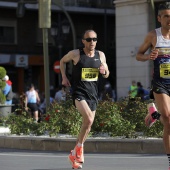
x=94, y=145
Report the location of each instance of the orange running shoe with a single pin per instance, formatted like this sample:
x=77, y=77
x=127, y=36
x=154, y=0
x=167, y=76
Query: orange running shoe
x=149, y=121
x=75, y=165
x=79, y=154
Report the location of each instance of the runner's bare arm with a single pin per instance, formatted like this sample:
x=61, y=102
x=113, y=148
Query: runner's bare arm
x=70, y=56
x=149, y=42
x=63, y=61
x=104, y=67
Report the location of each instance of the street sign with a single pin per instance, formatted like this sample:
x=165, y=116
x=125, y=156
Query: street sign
x=56, y=67
x=21, y=60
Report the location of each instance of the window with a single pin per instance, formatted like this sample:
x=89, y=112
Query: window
x=8, y=32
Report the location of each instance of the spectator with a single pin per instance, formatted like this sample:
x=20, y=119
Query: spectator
x=42, y=106
x=146, y=94
x=8, y=90
x=60, y=94
x=31, y=100
x=143, y=93
x=133, y=90
x=140, y=91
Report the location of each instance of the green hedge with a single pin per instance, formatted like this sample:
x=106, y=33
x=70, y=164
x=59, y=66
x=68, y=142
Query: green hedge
x=123, y=118
x=2, y=85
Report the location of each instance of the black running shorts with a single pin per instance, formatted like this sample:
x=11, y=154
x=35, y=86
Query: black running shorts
x=91, y=103
x=159, y=87
x=32, y=106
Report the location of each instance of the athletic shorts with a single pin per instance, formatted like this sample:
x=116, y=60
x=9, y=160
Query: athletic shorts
x=32, y=106
x=159, y=87
x=91, y=103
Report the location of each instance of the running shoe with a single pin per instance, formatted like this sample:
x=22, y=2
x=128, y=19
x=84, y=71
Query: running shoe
x=79, y=154
x=75, y=165
x=149, y=121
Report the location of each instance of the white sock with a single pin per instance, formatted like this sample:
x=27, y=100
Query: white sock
x=73, y=152
x=80, y=144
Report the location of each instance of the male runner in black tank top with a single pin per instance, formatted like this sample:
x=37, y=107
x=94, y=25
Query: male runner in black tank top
x=88, y=63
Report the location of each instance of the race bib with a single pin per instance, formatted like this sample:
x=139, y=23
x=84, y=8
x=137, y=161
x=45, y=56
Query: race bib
x=89, y=74
x=165, y=70
x=164, y=51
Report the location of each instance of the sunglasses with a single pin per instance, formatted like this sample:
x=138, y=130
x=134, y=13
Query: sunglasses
x=90, y=39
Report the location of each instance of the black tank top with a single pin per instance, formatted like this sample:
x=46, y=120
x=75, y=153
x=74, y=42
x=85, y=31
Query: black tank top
x=85, y=76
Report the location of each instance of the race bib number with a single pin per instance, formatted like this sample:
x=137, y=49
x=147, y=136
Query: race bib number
x=165, y=70
x=89, y=74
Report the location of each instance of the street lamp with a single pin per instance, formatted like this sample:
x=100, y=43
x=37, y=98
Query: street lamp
x=45, y=23
x=59, y=3
x=64, y=29
x=59, y=32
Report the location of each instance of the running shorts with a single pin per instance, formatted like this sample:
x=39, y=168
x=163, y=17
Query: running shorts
x=91, y=103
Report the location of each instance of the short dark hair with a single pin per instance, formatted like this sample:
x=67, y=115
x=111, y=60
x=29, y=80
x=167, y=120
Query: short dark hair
x=30, y=86
x=163, y=6
x=139, y=84
x=89, y=30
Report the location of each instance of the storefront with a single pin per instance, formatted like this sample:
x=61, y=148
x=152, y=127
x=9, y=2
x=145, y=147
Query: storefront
x=23, y=70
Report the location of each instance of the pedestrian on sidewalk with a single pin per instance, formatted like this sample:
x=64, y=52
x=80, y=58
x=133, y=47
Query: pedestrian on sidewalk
x=31, y=100
x=7, y=91
x=88, y=64
x=158, y=41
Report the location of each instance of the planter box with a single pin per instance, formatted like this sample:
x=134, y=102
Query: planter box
x=5, y=110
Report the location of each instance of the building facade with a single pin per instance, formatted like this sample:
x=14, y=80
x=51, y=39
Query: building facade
x=21, y=42
x=134, y=19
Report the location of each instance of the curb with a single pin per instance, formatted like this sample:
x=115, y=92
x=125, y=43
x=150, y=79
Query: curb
x=105, y=145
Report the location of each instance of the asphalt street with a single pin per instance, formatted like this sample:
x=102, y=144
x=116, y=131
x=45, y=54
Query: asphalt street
x=11, y=159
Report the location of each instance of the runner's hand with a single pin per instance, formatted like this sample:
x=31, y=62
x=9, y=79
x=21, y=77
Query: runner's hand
x=66, y=82
x=154, y=54
x=102, y=69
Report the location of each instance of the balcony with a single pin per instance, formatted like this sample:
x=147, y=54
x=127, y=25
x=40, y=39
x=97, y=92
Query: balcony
x=76, y=3
x=89, y=3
